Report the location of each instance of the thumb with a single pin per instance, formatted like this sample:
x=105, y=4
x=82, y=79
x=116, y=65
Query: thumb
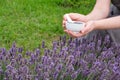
x=85, y=29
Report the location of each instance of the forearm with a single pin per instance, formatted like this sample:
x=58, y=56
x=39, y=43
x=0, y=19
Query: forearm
x=100, y=10
x=97, y=15
x=109, y=23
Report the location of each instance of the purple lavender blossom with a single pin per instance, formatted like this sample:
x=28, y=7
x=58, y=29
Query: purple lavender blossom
x=3, y=51
x=97, y=58
x=74, y=75
x=20, y=50
x=43, y=44
x=70, y=69
x=37, y=52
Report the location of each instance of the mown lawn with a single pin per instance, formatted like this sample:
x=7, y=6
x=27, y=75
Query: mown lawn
x=29, y=22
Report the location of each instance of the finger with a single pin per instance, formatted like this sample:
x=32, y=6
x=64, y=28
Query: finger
x=72, y=16
x=76, y=35
x=86, y=29
x=64, y=24
x=66, y=31
x=64, y=21
x=73, y=34
x=64, y=17
x=78, y=17
x=89, y=26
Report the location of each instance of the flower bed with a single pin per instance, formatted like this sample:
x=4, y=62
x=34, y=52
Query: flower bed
x=69, y=59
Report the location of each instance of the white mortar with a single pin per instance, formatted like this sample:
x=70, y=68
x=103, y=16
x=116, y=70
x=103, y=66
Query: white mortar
x=75, y=26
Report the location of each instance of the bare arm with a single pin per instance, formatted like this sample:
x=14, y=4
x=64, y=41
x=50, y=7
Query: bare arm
x=100, y=10
x=109, y=23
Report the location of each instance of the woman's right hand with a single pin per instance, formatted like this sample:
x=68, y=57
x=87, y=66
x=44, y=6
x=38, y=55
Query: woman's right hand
x=74, y=17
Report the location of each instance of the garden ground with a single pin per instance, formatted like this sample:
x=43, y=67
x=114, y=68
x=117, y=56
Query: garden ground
x=29, y=22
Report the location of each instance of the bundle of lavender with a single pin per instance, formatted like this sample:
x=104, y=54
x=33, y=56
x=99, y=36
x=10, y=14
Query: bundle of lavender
x=68, y=59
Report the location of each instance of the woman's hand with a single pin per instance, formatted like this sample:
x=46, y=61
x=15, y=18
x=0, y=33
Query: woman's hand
x=74, y=17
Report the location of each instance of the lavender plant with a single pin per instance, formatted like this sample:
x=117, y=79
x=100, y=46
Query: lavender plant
x=68, y=59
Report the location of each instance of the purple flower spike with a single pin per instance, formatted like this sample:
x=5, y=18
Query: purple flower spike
x=105, y=75
x=9, y=67
x=71, y=59
x=46, y=76
x=43, y=44
x=6, y=79
x=74, y=75
x=28, y=53
x=32, y=57
x=37, y=52
x=25, y=69
x=70, y=69
x=20, y=50
x=52, y=65
x=13, y=62
x=55, y=75
x=59, y=67
x=19, y=57
x=1, y=57
x=45, y=60
x=54, y=45
x=3, y=51
x=90, y=57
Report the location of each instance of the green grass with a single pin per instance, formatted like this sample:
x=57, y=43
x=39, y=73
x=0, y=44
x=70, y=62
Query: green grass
x=29, y=22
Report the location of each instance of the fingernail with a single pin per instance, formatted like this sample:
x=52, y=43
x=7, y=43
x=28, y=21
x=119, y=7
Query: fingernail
x=82, y=31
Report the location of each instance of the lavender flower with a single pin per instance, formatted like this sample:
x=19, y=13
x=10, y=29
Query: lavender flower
x=43, y=44
x=20, y=50
x=74, y=75
x=68, y=59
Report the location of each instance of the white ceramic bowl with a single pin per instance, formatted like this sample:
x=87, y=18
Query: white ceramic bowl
x=75, y=26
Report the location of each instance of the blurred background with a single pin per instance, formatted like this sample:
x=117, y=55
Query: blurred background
x=29, y=22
